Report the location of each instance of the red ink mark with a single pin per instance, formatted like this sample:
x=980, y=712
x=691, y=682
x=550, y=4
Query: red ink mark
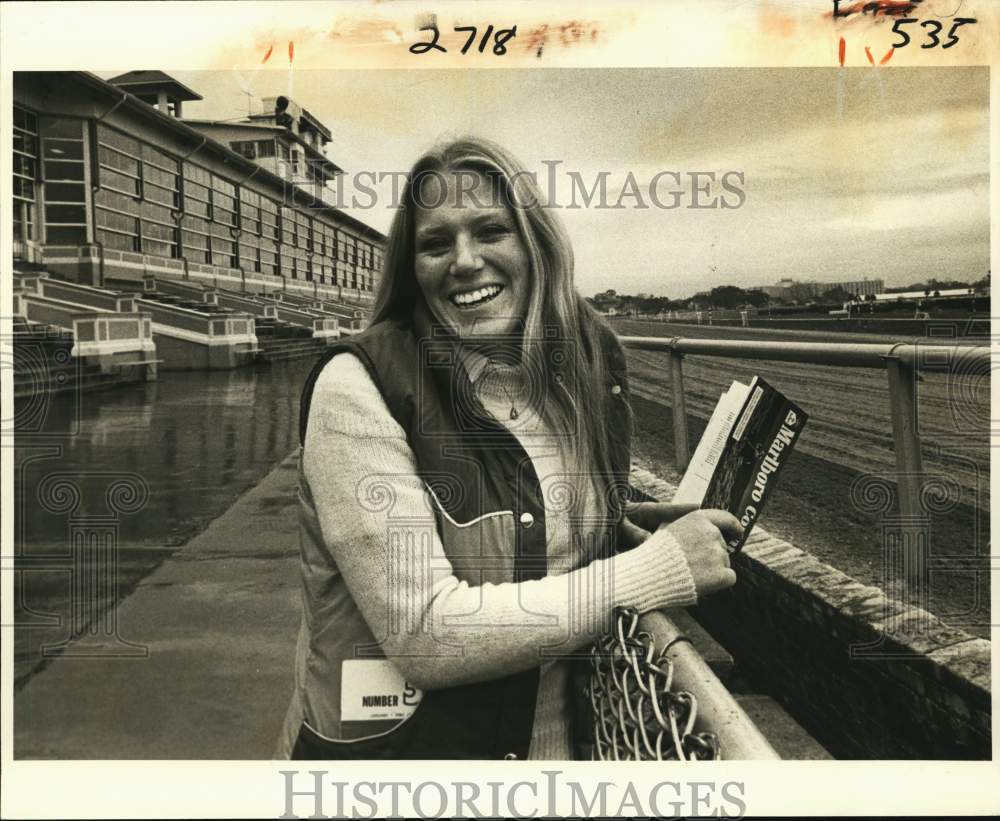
x=885, y=57
x=537, y=38
x=291, y=51
x=843, y=51
x=268, y=55
x=889, y=8
x=570, y=32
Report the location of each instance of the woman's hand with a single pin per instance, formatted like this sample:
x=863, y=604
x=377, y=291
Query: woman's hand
x=702, y=535
x=642, y=518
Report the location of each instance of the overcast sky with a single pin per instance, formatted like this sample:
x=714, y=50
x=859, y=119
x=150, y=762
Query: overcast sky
x=896, y=187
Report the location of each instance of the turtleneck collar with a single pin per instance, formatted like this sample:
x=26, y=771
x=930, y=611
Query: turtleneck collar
x=495, y=373
x=494, y=378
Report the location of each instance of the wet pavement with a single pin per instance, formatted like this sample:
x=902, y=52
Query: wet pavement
x=196, y=663
x=109, y=483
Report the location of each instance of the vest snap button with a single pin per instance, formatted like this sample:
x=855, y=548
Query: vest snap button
x=616, y=389
x=527, y=519
x=510, y=756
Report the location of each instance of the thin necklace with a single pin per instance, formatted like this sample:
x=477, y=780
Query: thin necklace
x=510, y=396
x=513, y=410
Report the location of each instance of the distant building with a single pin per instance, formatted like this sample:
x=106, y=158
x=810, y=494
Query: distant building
x=778, y=291
x=860, y=287
x=934, y=292
x=109, y=179
x=792, y=290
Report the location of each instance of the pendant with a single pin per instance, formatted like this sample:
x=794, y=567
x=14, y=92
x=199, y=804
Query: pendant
x=513, y=412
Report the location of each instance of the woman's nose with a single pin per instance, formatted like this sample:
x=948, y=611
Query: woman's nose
x=467, y=257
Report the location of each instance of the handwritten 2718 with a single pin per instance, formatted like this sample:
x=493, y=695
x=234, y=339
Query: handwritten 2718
x=500, y=39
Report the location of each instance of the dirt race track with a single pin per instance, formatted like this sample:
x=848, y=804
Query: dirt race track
x=848, y=436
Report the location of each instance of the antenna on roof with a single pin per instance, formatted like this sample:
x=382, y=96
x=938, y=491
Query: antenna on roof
x=247, y=85
x=247, y=88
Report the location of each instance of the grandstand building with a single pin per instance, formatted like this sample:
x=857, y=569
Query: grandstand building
x=111, y=183
x=145, y=241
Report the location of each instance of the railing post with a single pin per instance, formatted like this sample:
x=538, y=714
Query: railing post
x=681, y=455
x=909, y=468
x=905, y=439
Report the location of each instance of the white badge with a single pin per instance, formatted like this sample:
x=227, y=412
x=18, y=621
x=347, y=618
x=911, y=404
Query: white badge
x=374, y=690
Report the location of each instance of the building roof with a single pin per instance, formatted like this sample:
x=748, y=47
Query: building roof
x=199, y=139
x=232, y=124
x=310, y=119
x=317, y=125
x=274, y=129
x=138, y=82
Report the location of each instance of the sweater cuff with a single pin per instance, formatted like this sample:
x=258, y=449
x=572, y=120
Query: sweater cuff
x=654, y=576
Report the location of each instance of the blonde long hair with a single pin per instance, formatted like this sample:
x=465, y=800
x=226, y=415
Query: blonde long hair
x=578, y=389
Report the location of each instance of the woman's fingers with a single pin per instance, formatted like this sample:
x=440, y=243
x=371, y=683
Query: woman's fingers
x=720, y=581
x=651, y=515
x=727, y=523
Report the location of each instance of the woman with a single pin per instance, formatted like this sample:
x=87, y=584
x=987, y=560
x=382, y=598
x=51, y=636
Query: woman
x=461, y=480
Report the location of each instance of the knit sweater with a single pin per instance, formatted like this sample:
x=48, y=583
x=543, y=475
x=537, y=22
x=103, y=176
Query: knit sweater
x=352, y=435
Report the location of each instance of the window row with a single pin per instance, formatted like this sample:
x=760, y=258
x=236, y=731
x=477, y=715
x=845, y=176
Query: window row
x=25, y=154
x=139, y=189
x=253, y=149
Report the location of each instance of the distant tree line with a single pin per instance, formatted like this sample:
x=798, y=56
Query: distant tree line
x=722, y=296
x=732, y=297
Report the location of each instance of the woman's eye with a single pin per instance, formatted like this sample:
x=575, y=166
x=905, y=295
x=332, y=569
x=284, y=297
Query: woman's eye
x=494, y=232
x=433, y=246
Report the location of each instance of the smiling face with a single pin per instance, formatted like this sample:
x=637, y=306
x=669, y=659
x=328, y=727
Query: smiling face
x=470, y=262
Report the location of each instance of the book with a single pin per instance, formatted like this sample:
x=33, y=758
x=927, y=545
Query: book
x=745, y=445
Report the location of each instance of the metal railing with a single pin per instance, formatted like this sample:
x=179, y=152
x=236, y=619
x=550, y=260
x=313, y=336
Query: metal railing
x=901, y=362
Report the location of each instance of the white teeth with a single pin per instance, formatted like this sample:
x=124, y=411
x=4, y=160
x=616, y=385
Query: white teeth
x=479, y=295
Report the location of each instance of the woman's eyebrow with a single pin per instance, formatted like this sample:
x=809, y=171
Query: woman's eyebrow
x=432, y=228
x=491, y=215
x=486, y=215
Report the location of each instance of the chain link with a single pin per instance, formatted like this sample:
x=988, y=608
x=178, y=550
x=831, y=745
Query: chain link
x=636, y=714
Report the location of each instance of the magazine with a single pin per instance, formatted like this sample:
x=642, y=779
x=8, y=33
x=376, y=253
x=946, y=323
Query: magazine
x=746, y=443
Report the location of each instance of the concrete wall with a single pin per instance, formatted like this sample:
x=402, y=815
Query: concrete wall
x=869, y=676
x=182, y=355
